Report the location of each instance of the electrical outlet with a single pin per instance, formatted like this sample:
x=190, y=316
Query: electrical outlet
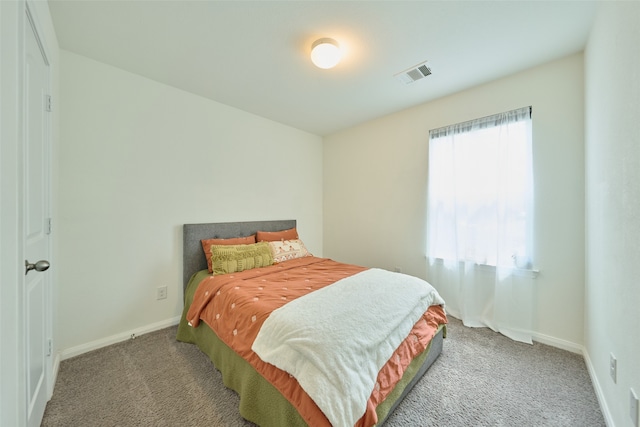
x=613, y=368
x=162, y=292
x=634, y=408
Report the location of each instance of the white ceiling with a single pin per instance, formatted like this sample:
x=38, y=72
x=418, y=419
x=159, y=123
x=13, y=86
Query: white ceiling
x=254, y=55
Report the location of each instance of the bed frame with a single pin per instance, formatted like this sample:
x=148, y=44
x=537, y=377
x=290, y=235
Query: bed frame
x=193, y=256
x=194, y=260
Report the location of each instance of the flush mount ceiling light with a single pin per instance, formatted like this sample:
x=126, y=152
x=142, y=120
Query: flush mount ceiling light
x=325, y=53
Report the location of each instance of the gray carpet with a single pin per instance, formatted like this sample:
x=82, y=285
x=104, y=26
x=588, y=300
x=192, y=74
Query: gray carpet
x=480, y=379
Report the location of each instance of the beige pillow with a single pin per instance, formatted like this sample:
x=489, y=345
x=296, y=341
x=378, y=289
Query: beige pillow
x=285, y=250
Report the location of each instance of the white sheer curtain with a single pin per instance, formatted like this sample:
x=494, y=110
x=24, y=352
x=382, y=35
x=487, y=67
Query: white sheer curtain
x=480, y=217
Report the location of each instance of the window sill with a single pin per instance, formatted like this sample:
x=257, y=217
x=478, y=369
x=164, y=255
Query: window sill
x=519, y=272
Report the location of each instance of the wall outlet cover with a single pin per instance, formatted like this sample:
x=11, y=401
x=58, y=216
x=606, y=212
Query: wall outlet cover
x=162, y=292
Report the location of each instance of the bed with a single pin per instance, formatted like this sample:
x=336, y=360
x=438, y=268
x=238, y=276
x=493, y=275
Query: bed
x=269, y=395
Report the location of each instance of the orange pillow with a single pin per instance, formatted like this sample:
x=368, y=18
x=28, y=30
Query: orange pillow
x=206, y=245
x=274, y=236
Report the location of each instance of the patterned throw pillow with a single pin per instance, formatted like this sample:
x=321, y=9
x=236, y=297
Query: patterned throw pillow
x=285, y=250
x=236, y=258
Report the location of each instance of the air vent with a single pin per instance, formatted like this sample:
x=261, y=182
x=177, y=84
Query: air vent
x=414, y=74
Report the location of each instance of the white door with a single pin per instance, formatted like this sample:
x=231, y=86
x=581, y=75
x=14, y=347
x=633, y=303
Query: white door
x=37, y=300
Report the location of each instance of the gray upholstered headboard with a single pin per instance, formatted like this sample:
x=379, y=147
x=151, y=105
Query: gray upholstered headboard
x=193, y=256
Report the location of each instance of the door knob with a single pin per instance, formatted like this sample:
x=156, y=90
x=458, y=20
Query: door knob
x=41, y=265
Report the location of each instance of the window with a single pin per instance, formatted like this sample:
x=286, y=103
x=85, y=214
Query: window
x=480, y=191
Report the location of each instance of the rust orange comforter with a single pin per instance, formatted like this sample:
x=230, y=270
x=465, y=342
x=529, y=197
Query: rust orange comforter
x=236, y=305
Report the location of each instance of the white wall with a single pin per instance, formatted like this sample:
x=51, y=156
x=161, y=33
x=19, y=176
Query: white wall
x=375, y=179
x=612, y=307
x=137, y=159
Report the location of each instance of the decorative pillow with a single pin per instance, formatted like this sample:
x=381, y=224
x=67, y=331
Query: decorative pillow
x=285, y=250
x=207, y=243
x=272, y=236
x=236, y=258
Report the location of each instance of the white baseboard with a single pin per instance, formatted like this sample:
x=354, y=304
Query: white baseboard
x=94, y=345
x=599, y=394
x=558, y=343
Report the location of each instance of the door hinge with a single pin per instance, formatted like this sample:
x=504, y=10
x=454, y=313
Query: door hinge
x=49, y=348
x=47, y=103
x=47, y=226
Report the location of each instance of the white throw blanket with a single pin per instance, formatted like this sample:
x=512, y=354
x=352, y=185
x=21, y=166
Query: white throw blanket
x=335, y=340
